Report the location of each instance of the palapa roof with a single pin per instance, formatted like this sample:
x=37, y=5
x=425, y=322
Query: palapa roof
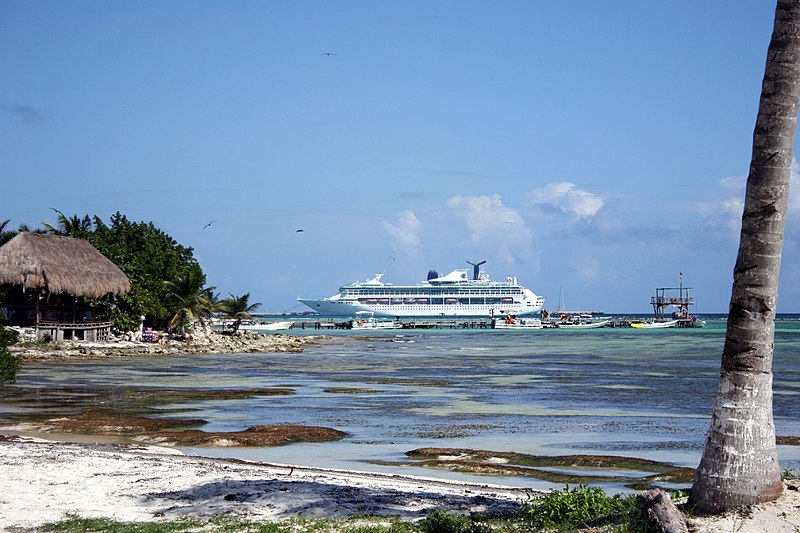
x=59, y=265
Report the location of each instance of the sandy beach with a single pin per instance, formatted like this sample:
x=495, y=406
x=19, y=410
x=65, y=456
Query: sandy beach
x=45, y=480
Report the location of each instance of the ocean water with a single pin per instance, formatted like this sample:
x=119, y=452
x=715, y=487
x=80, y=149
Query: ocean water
x=628, y=392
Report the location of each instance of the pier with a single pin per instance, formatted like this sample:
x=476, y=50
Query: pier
x=405, y=323
x=467, y=323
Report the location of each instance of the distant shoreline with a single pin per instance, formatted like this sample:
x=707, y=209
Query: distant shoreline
x=197, y=344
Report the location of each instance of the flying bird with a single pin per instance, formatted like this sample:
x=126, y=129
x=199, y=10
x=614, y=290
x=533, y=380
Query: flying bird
x=328, y=54
x=207, y=225
x=299, y=231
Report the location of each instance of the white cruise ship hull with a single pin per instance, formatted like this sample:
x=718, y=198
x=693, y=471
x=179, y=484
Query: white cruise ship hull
x=453, y=295
x=338, y=307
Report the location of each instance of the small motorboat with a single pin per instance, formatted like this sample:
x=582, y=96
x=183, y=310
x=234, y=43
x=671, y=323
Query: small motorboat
x=367, y=320
x=268, y=326
x=582, y=324
x=513, y=322
x=582, y=321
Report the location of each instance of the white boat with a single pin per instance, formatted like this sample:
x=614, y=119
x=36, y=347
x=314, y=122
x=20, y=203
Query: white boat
x=578, y=321
x=367, y=320
x=456, y=294
x=582, y=324
x=513, y=322
x=268, y=326
x=655, y=324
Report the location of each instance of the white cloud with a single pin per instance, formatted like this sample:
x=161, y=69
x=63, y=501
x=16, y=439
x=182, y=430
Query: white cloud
x=726, y=213
x=723, y=215
x=405, y=233
x=493, y=225
x=736, y=183
x=567, y=198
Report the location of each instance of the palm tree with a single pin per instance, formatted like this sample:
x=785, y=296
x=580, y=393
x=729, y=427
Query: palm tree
x=5, y=235
x=190, y=300
x=238, y=308
x=739, y=465
x=73, y=226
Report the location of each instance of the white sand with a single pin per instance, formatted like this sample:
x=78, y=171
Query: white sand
x=40, y=481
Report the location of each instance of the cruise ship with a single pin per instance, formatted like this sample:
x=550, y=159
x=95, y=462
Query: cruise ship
x=455, y=295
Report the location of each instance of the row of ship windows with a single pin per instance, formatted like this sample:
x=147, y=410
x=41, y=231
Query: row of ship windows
x=384, y=293
x=437, y=301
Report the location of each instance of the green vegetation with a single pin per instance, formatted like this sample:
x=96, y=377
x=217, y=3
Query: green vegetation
x=570, y=509
x=238, y=308
x=439, y=521
x=149, y=257
x=789, y=474
x=190, y=299
x=5, y=234
x=74, y=523
x=9, y=363
x=77, y=524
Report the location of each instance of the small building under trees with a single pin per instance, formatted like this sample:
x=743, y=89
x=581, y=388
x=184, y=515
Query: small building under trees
x=61, y=286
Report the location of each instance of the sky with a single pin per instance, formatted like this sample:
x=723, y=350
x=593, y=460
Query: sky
x=594, y=150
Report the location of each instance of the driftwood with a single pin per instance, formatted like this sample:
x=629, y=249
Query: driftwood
x=662, y=512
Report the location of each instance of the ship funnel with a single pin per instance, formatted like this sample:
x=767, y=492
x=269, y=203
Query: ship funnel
x=476, y=270
x=432, y=274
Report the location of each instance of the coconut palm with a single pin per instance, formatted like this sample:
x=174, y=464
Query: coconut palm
x=73, y=226
x=190, y=299
x=739, y=466
x=238, y=308
x=5, y=235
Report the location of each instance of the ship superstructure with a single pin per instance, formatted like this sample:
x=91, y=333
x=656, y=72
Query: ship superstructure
x=455, y=294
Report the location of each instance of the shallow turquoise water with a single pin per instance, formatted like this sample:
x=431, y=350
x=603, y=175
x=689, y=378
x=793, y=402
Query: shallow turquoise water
x=611, y=391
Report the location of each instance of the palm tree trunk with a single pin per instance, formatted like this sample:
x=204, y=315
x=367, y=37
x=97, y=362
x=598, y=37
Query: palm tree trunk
x=739, y=465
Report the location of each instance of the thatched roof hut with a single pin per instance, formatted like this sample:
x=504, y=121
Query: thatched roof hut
x=59, y=265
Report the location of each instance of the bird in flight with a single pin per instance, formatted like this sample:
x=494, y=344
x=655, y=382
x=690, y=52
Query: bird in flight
x=328, y=54
x=207, y=225
x=299, y=231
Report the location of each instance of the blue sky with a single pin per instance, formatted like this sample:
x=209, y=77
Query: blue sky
x=595, y=149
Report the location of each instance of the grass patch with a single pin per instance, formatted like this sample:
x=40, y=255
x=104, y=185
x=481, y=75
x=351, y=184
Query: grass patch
x=77, y=524
x=570, y=509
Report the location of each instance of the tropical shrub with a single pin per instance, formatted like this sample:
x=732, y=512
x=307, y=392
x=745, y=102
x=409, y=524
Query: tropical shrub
x=148, y=256
x=569, y=509
x=237, y=308
x=9, y=363
x=439, y=521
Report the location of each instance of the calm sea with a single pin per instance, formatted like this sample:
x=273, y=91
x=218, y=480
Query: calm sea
x=640, y=393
